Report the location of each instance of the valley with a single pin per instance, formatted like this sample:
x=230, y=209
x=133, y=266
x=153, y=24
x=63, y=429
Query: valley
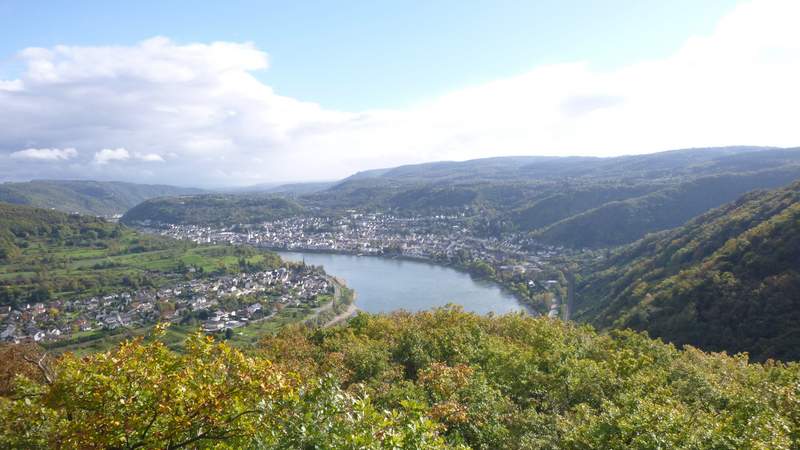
x=70, y=281
x=544, y=304
x=417, y=225
x=527, y=224
x=533, y=273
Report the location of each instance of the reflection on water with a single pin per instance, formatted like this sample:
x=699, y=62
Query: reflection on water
x=384, y=284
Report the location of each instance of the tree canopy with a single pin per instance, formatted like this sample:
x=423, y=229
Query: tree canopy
x=438, y=379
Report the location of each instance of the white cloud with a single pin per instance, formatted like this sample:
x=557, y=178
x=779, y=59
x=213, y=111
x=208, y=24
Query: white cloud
x=201, y=105
x=10, y=85
x=148, y=157
x=107, y=155
x=45, y=154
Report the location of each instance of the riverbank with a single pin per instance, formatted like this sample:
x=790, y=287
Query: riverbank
x=351, y=311
x=386, y=284
x=526, y=302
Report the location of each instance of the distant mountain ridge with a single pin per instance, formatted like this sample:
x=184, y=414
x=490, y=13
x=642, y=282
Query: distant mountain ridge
x=727, y=280
x=98, y=198
x=572, y=201
x=301, y=188
x=537, y=167
x=298, y=188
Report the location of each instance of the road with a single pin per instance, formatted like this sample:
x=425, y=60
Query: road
x=337, y=295
x=350, y=311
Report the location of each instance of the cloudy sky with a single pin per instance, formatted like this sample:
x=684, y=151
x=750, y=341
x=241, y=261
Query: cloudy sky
x=267, y=93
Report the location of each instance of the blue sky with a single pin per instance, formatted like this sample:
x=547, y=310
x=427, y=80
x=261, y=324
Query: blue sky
x=237, y=93
x=365, y=55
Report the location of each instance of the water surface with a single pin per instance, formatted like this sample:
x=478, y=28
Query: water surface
x=384, y=284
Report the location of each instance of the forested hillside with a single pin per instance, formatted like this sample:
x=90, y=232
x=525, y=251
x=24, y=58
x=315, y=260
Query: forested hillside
x=19, y=223
x=99, y=198
x=441, y=379
x=572, y=202
x=213, y=209
x=621, y=222
x=727, y=280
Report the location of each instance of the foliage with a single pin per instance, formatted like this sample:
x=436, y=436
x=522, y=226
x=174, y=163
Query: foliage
x=439, y=379
x=18, y=360
x=143, y=395
x=522, y=382
x=727, y=280
x=212, y=396
x=481, y=269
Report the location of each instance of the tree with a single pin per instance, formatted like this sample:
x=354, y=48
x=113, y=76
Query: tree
x=482, y=269
x=144, y=395
x=20, y=360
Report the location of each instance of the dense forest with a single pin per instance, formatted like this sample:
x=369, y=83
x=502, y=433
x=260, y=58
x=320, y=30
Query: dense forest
x=727, y=280
x=440, y=379
x=213, y=209
x=98, y=198
x=622, y=222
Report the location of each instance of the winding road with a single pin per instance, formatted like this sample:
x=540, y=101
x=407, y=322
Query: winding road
x=337, y=295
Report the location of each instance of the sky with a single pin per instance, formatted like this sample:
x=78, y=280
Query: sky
x=239, y=93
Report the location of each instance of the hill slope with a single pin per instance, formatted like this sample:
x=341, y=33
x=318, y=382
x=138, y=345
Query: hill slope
x=99, y=198
x=621, y=222
x=213, y=209
x=727, y=280
x=18, y=223
x=46, y=255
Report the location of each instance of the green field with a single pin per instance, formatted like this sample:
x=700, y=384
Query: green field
x=47, y=269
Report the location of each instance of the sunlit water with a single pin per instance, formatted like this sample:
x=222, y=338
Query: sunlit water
x=384, y=285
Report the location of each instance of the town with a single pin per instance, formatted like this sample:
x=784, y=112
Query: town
x=216, y=304
x=533, y=272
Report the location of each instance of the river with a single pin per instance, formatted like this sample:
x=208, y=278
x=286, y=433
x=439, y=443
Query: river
x=384, y=284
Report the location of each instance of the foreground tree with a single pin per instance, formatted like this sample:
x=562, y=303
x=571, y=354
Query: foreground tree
x=21, y=359
x=521, y=382
x=143, y=395
x=439, y=379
